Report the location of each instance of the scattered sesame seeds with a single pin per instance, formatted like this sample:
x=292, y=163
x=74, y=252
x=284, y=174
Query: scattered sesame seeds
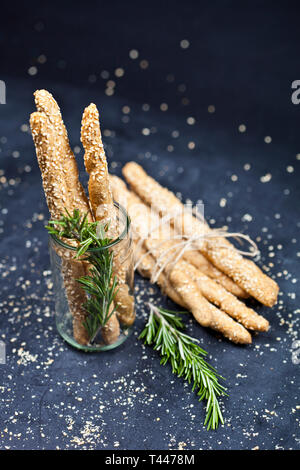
x=266, y=178
x=184, y=44
x=42, y=59
x=126, y=109
x=104, y=74
x=144, y=64
x=191, y=120
x=133, y=54
x=32, y=70
x=119, y=72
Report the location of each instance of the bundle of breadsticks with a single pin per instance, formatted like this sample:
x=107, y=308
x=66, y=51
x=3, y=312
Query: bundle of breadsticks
x=63, y=190
x=208, y=280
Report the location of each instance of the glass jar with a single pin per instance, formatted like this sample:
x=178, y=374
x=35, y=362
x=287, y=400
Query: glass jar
x=95, y=322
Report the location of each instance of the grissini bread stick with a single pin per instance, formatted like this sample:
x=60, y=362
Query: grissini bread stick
x=193, y=296
x=72, y=270
x=218, y=320
x=54, y=184
x=210, y=289
x=57, y=197
x=111, y=330
x=195, y=258
x=102, y=203
x=123, y=299
x=46, y=104
x=99, y=191
x=126, y=198
x=217, y=249
x=96, y=165
x=227, y=302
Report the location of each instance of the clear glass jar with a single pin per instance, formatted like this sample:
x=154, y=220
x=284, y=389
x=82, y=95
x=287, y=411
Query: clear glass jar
x=78, y=327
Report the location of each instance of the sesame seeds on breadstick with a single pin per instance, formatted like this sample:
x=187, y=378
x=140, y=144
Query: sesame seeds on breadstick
x=58, y=197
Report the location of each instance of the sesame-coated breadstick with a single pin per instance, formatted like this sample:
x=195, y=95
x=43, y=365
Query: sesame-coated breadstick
x=58, y=199
x=96, y=165
x=102, y=203
x=123, y=299
x=223, y=299
x=111, y=330
x=54, y=184
x=195, y=258
x=210, y=289
x=193, y=294
x=217, y=249
x=72, y=270
x=217, y=319
x=46, y=104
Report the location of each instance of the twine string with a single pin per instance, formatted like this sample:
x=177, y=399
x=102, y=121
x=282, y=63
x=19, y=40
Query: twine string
x=164, y=261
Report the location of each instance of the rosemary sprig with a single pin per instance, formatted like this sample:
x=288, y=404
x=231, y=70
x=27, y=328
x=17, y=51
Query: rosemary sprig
x=186, y=357
x=100, y=284
x=77, y=227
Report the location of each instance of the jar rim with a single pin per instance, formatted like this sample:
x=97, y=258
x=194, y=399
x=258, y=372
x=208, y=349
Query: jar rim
x=100, y=248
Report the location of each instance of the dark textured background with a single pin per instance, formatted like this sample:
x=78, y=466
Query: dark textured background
x=242, y=58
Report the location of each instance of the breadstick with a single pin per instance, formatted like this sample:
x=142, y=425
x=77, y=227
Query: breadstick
x=195, y=258
x=124, y=300
x=54, y=184
x=218, y=250
x=194, y=295
x=96, y=165
x=72, y=270
x=204, y=312
x=111, y=330
x=210, y=289
x=179, y=284
x=46, y=104
x=57, y=197
x=197, y=304
x=102, y=202
x=223, y=299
